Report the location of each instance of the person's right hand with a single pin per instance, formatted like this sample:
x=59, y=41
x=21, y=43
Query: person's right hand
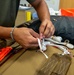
x=26, y=37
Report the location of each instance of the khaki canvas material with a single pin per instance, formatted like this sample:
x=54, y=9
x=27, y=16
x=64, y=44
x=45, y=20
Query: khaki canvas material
x=29, y=62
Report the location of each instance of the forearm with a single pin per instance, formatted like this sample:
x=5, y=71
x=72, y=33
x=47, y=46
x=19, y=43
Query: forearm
x=5, y=32
x=42, y=9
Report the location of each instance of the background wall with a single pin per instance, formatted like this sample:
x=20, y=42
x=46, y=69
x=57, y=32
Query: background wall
x=23, y=2
x=66, y=4
x=51, y=3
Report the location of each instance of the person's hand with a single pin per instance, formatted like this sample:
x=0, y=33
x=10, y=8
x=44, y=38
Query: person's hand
x=46, y=29
x=26, y=37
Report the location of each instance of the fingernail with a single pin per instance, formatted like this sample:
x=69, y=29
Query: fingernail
x=41, y=35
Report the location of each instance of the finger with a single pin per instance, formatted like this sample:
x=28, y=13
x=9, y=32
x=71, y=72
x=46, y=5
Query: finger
x=48, y=35
x=34, y=34
x=47, y=31
x=52, y=30
x=41, y=36
x=33, y=40
x=31, y=46
x=42, y=27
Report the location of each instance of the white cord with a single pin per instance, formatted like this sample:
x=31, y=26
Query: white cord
x=41, y=48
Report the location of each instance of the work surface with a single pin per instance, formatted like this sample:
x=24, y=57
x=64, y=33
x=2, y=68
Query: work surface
x=29, y=62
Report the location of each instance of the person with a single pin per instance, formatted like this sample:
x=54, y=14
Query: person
x=26, y=37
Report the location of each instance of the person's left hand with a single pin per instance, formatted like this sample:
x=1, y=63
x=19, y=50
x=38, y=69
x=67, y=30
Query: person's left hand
x=46, y=29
